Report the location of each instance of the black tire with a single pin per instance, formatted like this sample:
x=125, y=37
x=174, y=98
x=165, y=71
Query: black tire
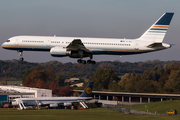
x=83, y=62
x=79, y=61
x=89, y=61
x=93, y=62
x=21, y=59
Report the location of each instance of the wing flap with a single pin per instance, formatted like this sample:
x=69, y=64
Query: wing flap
x=77, y=45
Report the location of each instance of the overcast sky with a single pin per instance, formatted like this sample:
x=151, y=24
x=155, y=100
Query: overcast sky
x=87, y=18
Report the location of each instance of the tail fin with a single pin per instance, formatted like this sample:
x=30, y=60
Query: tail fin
x=87, y=91
x=157, y=31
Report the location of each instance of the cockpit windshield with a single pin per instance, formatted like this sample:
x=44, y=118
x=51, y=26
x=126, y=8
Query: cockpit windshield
x=8, y=41
x=14, y=101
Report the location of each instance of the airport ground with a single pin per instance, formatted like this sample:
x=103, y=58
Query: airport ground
x=94, y=113
x=86, y=114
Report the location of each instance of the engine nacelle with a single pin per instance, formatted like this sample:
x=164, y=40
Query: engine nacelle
x=59, y=52
x=67, y=104
x=53, y=105
x=62, y=52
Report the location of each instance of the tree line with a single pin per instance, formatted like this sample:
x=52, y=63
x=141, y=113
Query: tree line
x=47, y=79
x=14, y=69
x=153, y=80
x=164, y=79
x=150, y=76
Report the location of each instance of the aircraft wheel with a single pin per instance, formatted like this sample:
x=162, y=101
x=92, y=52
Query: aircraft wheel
x=89, y=61
x=21, y=59
x=83, y=62
x=79, y=61
x=93, y=62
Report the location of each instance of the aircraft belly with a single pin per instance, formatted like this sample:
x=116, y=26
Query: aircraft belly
x=29, y=102
x=116, y=52
x=119, y=52
x=28, y=48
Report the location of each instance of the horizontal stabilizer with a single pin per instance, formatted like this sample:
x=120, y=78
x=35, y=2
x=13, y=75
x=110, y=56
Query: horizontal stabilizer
x=172, y=44
x=155, y=45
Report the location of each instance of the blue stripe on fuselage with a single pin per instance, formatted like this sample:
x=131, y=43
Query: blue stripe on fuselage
x=118, y=52
x=163, y=29
x=94, y=51
x=27, y=49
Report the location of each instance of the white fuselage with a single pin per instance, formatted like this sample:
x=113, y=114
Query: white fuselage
x=106, y=46
x=79, y=47
x=65, y=101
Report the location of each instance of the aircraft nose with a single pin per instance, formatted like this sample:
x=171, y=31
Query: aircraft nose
x=3, y=45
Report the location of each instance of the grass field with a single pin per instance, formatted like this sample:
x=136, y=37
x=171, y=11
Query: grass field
x=14, y=82
x=87, y=114
x=160, y=107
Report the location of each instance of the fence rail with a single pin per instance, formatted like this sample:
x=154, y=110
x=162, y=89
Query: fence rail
x=129, y=111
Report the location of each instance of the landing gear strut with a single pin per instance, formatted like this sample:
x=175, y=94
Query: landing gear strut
x=88, y=61
x=21, y=55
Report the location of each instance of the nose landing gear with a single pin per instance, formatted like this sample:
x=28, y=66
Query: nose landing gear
x=21, y=55
x=21, y=59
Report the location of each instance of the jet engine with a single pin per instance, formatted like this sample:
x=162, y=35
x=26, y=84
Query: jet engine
x=59, y=52
x=67, y=104
x=53, y=105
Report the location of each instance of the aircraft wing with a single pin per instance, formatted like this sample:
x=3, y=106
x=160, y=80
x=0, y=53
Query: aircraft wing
x=77, y=45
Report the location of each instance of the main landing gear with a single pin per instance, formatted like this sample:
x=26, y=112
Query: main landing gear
x=88, y=61
x=21, y=55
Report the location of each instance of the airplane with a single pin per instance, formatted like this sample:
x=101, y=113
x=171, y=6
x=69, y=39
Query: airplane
x=80, y=47
x=55, y=101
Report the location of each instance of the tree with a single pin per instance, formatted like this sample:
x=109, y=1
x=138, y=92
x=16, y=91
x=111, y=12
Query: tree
x=35, y=74
x=51, y=72
x=125, y=79
x=173, y=83
x=103, y=77
x=41, y=84
x=141, y=86
x=60, y=79
x=29, y=83
x=39, y=74
x=113, y=86
x=54, y=87
x=4, y=82
x=25, y=77
x=65, y=91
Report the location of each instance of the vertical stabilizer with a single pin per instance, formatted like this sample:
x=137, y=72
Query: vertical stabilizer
x=87, y=91
x=158, y=30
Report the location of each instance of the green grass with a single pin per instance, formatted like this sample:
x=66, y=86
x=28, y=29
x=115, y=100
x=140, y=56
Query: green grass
x=14, y=82
x=87, y=114
x=159, y=107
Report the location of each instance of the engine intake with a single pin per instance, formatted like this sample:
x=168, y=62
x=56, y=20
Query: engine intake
x=67, y=104
x=59, y=52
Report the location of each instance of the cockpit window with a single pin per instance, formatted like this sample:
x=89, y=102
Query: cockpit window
x=14, y=101
x=8, y=41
